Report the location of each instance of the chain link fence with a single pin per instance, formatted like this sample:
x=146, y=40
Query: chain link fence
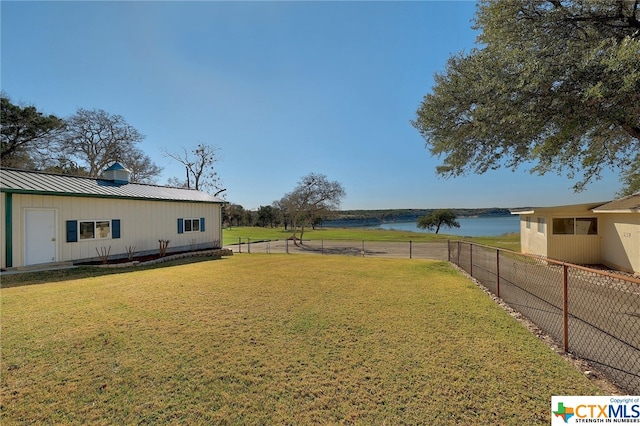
x=397, y=249
x=594, y=313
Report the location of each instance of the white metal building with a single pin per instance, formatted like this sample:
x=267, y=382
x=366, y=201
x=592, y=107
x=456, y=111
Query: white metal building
x=51, y=218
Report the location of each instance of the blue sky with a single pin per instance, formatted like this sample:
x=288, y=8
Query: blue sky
x=282, y=88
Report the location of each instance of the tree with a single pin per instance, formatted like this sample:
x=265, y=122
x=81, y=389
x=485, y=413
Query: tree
x=95, y=139
x=142, y=169
x=234, y=212
x=631, y=181
x=26, y=134
x=277, y=215
x=281, y=213
x=266, y=216
x=313, y=197
x=553, y=83
x=249, y=218
x=437, y=219
x=199, y=164
x=64, y=166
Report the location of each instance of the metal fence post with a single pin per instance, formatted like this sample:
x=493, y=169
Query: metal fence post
x=362, y=248
x=410, y=249
x=322, y=246
x=458, y=260
x=498, y=272
x=248, y=245
x=565, y=306
x=287, y=245
x=239, y=245
x=448, y=250
x=471, y=259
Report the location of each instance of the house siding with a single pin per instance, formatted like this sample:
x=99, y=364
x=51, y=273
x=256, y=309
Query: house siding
x=621, y=241
x=581, y=249
x=142, y=224
x=532, y=241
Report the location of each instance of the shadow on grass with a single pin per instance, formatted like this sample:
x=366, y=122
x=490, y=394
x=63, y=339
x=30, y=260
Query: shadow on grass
x=78, y=272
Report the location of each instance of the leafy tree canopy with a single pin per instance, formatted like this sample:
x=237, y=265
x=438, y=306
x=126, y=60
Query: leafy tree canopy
x=437, y=219
x=26, y=134
x=554, y=83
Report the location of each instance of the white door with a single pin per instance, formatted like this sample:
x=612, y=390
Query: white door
x=40, y=236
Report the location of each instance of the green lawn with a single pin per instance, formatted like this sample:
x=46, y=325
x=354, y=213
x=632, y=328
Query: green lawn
x=273, y=339
x=232, y=235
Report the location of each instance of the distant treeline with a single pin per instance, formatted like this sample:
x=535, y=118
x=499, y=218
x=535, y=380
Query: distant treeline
x=346, y=218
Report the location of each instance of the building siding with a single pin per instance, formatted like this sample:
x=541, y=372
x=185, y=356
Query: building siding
x=574, y=248
x=580, y=249
x=142, y=223
x=532, y=241
x=616, y=245
x=621, y=241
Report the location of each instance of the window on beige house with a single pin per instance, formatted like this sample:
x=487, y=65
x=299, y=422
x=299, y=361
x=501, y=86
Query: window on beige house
x=563, y=226
x=575, y=226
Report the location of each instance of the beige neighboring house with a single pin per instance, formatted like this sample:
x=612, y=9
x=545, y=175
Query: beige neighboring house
x=606, y=233
x=50, y=218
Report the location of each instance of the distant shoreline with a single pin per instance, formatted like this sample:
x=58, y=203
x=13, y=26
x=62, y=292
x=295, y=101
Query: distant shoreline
x=359, y=218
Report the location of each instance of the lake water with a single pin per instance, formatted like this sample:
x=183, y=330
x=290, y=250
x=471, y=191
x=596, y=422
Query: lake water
x=469, y=226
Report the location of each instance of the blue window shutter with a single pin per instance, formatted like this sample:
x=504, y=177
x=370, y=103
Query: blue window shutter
x=115, y=228
x=180, y=226
x=202, y=224
x=72, y=231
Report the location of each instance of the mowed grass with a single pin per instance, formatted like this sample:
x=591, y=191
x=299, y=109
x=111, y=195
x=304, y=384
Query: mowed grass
x=274, y=339
x=255, y=233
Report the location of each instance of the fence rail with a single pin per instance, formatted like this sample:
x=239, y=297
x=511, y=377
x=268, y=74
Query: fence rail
x=594, y=313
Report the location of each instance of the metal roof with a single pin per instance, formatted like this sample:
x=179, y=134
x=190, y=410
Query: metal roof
x=628, y=204
x=31, y=182
x=570, y=208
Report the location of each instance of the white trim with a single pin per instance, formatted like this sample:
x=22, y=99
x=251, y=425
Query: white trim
x=616, y=211
x=192, y=220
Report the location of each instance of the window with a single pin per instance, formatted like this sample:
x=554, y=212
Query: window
x=528, y=222
x=541, y=225
x=92, y=229
x=563, y=226
x=587, y=226
x=190, y=225
x=95, y=229
x=87, y=230
x=575, y=226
